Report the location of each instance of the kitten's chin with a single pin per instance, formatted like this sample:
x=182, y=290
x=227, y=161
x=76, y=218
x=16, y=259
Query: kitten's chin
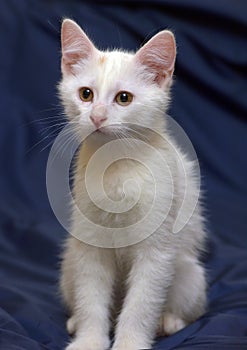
x=100, y=136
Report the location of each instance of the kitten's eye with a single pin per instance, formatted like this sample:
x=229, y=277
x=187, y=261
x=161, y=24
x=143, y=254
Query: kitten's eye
x=124, y=98
x=86, y=94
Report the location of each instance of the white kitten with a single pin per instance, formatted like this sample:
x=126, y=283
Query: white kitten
x=156, y=284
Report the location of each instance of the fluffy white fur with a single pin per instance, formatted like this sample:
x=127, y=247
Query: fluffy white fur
x=158, y=284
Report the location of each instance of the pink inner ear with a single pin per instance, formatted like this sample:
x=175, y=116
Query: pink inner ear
x=158, y=55
x=76, y=45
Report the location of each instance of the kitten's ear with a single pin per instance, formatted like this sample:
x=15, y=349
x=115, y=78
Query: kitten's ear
x=76, y=45
x=158, y=55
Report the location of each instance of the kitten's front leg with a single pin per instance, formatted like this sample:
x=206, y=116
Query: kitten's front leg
x=94, y=278
x=149, y=279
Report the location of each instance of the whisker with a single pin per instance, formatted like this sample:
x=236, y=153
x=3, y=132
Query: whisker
x=70, y=134
x=44, y=120
x=37, y=143
x=47, y=146
x=142, y=136
x=50, y=127
x=52, y=130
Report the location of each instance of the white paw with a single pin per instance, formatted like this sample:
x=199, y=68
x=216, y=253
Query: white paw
x=71, y=325
x=89, y=344
x=129, y=344
x=170, y=324
x=128, y=347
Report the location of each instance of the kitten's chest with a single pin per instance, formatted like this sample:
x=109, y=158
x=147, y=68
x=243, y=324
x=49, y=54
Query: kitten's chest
x=119, y=188
x=126, y=181
x=124, y=193
x=122, y=205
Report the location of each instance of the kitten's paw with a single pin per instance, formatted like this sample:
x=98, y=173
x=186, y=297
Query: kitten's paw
x=128, y=347
x=128, y=344
x=89, y=343
x=170, y=324
x=71, y=325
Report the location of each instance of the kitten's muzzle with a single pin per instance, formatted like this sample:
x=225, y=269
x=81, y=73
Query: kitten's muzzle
x=97, y=120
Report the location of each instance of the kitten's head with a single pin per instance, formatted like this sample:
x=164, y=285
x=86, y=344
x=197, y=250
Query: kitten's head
x=103, y=88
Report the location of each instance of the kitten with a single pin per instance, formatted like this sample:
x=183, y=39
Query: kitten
x=148, y=282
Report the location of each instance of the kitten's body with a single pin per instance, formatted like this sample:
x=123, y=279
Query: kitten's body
x=156, y=284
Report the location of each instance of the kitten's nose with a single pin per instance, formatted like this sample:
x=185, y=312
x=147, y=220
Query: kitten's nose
x=97, y=120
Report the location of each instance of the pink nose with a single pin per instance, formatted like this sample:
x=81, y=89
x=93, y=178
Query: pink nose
x=97, y=120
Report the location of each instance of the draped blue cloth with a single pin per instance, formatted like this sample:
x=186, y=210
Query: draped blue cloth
x=209, y=102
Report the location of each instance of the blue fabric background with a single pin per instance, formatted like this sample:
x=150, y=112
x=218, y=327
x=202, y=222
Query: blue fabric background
x=209, y=102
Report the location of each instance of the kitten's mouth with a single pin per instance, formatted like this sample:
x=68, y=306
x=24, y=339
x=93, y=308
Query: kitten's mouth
x=105, y=130
x=102, y=131
x=121, y=131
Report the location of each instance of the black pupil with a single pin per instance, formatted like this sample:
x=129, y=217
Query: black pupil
x=124, y=97
x=86, y=93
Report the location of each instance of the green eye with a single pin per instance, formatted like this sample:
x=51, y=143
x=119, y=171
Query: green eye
x=124, y=98
x=86, y=94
